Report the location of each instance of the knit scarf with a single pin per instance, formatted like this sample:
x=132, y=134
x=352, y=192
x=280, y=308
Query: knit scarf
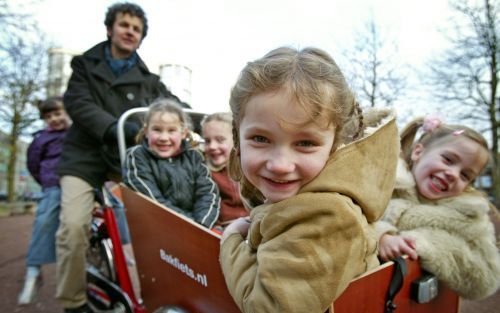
x=119, y=66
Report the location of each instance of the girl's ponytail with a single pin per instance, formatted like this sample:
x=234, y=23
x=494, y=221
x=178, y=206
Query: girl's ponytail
x=407, y=137
x=359, y=114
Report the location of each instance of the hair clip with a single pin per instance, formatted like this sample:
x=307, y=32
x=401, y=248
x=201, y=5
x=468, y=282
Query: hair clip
x=431, y=123
x=458, y=132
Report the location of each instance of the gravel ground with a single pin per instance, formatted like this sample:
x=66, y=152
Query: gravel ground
x=14, y=237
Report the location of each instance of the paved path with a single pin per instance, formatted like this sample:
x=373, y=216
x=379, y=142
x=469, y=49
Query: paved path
x=15, y=232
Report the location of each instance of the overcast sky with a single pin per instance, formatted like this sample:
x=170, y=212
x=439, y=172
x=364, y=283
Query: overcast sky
x=216, y=38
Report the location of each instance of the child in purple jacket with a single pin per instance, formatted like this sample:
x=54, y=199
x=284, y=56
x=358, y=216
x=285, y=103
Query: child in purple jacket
x=43, y=158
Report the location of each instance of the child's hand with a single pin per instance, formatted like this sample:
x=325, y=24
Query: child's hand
x=391, y=246
x=240, y=225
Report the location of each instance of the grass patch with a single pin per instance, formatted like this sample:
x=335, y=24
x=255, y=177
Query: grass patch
x=16, y=208
x=4, y=209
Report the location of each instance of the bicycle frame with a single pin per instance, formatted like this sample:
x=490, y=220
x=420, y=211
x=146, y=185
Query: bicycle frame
x=115, y=289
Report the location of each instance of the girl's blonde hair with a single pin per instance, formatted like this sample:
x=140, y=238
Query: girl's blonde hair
x=164, y=105
x=224, y=117
x=314, y=81
x=438, y=135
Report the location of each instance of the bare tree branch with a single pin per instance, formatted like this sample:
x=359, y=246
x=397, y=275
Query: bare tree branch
x=23, y=66
x=375, y=76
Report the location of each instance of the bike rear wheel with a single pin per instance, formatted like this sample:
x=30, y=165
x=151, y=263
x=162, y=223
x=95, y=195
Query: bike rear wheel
x=100, y=254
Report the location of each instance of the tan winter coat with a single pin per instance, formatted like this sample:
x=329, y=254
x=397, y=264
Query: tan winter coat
x=302, y=252
x=455, y=238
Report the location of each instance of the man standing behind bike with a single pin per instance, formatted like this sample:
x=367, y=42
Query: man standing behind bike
x=107, y=80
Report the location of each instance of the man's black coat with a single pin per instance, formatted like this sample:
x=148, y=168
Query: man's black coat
x=95, y=99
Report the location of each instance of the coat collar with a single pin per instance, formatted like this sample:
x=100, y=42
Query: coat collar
x=103, y=71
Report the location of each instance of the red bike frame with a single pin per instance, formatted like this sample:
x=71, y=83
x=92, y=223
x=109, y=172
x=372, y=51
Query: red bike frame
x=107, y=214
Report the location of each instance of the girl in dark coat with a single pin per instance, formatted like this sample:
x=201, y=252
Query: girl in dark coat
x=165, y=167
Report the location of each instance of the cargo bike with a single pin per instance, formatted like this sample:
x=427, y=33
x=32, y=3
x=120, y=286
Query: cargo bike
x=178, y=264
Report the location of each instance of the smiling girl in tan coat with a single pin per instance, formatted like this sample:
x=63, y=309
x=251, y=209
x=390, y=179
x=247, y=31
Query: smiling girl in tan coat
x=301, y=157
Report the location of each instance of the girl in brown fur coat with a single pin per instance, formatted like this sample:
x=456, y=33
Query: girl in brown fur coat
x=436, y=215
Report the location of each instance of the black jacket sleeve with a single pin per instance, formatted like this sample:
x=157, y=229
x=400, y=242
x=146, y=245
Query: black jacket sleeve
x=207, y=200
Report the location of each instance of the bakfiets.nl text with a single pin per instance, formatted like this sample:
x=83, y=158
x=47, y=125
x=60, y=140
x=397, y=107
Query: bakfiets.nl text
x=184, y=268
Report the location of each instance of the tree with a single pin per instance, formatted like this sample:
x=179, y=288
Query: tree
x=22, y=79
x=375, y=74
x=466, y=75
x=12, y=20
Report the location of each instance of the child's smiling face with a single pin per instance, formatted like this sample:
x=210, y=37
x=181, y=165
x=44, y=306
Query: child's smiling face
x=218, y=142
x=57, y=119
x=445, y=170
x=278, y=157
x=164, y=133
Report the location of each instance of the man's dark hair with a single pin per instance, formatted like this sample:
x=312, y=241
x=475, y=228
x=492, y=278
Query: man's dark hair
x=126, y=8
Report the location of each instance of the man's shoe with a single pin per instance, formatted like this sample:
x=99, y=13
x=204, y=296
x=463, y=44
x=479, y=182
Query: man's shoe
x=30, y=288
x=81, y=309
